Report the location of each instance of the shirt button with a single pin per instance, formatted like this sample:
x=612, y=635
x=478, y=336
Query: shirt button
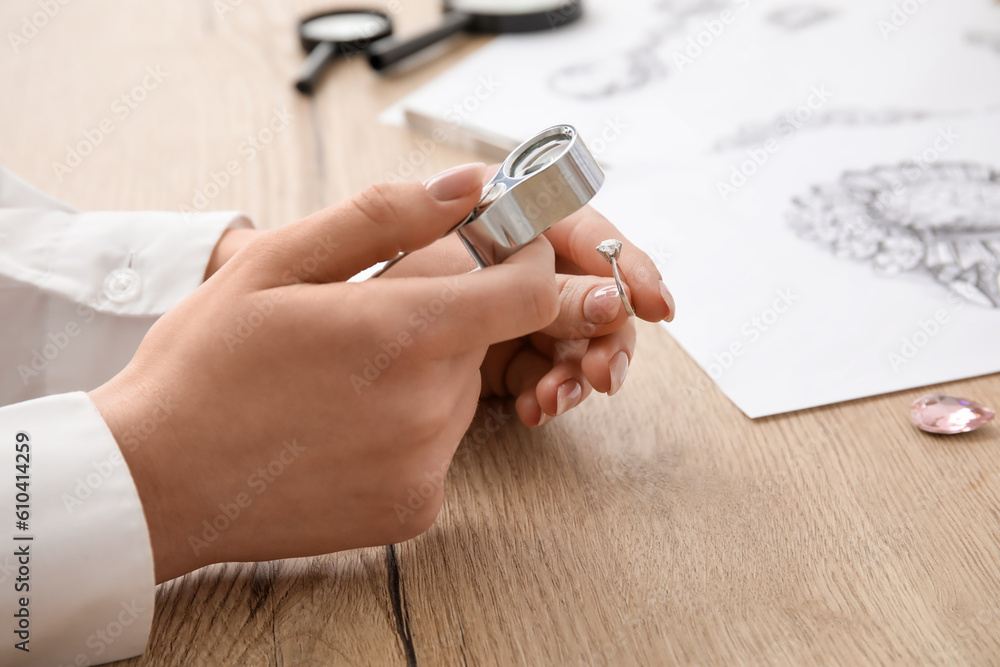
x=122, y=285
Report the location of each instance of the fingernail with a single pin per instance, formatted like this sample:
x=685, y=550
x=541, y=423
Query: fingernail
x=544, y=420
x=668, y=298
x=619, y=369
x=568, y=396
x=602, y=305
x=456, y=182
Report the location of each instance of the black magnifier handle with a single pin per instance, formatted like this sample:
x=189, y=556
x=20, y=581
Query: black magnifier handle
x=389, y=51
x=315, y=65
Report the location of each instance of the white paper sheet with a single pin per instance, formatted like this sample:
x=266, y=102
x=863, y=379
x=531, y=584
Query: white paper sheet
x=775, y=316
x=649, y=83
x=797, y=95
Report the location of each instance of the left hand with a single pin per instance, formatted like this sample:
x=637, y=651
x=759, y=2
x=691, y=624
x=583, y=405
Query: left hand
x=227, y=246
x=589, y=346
x=591, y=343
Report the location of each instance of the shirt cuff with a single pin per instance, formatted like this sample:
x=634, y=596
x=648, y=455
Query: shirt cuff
x=78, y=586
x=131, y=263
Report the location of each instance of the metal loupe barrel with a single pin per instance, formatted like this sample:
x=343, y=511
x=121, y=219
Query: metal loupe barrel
x=544, y=180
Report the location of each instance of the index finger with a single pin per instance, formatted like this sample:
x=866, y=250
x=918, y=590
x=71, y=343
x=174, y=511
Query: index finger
x=455, y=314
x=576, y=238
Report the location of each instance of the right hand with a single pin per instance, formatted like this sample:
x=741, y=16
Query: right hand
x=274, y=349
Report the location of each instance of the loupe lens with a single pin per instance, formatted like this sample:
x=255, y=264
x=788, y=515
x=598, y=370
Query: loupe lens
x=346, y=27
x=539, y=155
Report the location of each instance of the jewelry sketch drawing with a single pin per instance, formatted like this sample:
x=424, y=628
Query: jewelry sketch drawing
x=650, y=59
x=941, y=219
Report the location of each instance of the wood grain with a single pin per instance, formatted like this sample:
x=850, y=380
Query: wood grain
x=660, y=526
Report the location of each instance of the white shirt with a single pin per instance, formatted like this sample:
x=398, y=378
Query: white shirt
x=78, y=291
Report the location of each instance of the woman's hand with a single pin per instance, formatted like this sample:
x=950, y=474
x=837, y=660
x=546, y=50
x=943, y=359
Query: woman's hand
x=284, y=412
x=592, y=341
x=230, y=243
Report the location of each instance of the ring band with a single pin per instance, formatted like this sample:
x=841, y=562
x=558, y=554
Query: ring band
x=611, y=250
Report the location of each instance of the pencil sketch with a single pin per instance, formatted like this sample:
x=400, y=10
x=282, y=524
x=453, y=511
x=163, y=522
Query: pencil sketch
x=941, y=220
x=755, y=134
x=650, y=58
x=639, y=65
x=989, y=40
x=797, y=17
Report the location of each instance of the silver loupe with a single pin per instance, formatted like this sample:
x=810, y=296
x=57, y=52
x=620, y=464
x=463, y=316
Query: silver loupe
x=544, y=180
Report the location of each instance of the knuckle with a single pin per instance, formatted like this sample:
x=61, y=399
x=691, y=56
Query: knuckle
x=572, y=297
x=260, y=250
x=376, y=204
x=432, y=419
x=542, y=302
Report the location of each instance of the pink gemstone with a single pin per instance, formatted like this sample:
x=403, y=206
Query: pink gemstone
x=941, y=413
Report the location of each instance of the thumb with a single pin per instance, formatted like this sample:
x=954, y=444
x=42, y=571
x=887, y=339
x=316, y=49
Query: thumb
x=373, y=226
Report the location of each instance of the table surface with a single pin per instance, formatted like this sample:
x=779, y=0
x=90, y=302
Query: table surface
x=660, y=526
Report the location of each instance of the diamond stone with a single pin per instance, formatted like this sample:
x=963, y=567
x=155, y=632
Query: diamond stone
x=611, y=249
x=941, y=413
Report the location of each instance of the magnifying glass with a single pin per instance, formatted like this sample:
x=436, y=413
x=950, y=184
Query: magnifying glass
x=544, y=180
x=329, y=35
x=479, y=16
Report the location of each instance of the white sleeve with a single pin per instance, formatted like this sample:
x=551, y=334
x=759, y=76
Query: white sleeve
x=76, y=577
x=78, y=291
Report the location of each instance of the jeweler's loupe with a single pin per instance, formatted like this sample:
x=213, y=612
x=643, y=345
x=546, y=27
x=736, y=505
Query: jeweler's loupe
x=331, y=35
x=479, y=16
x=545, y=179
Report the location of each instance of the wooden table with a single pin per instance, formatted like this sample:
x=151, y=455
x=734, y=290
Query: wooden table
x=657, y=527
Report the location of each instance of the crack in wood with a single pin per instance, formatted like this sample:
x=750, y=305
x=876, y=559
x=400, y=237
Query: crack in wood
x=399, y=610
